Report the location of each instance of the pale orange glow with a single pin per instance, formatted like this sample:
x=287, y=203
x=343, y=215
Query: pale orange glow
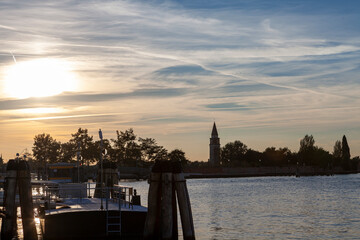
x=39, y=78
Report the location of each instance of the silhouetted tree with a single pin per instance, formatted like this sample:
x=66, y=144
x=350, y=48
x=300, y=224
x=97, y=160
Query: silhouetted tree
x=307, y=143
x=253, y=157
x=345, y=153
x=67, y=152
x=321, y=158
x=306, y=151
x=45, y=150
x=198, y=164
x=178, y=156
x=337, y=153
x=162, y=155
x=88, y=149
x=233, y=153
x=355, y=162
x=276, y=157
x=150, y=149
x=126, y=148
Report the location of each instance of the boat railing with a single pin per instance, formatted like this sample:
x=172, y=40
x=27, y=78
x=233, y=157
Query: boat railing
x=83, y=192
x=37, y=191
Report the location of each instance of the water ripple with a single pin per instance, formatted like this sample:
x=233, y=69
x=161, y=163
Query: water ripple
x=275, y=207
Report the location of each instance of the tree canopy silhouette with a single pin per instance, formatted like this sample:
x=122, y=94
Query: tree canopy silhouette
x=345, y=153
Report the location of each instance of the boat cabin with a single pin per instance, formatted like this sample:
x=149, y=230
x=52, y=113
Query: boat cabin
x=61, y=172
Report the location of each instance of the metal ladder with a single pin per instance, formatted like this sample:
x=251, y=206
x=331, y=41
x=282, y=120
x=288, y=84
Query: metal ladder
x=113, y=222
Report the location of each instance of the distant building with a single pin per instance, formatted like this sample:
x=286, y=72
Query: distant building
x=214, y=159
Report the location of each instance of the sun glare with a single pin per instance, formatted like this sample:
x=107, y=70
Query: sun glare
x=39, y=78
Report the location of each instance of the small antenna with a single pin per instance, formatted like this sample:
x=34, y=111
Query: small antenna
x=100, y=134
x=101, y=167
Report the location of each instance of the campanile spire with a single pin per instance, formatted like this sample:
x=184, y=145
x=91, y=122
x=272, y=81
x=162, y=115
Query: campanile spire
x=214, y=159
x=214, y=132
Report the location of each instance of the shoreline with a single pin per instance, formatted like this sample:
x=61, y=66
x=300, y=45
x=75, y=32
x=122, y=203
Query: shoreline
x=263, y=172
x=213, y=172
x=203, y=176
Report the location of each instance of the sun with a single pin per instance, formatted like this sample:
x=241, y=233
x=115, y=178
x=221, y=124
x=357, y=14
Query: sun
x=39, y=78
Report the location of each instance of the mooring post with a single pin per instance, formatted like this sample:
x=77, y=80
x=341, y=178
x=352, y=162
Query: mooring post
x=166, y=202
x=184, y=204
x=152, y=222
x=8, y=227
x=26, y=201
x=166, y=183
x=174, y=214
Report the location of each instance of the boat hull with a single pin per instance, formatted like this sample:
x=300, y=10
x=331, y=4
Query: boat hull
x=92, y=225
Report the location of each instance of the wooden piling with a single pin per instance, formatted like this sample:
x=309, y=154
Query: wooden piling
x=166, y=184
x=154, y=204
x=184, y=207
x=26, y=201
x=8, y=227
x=166, y=206
x=174, y=214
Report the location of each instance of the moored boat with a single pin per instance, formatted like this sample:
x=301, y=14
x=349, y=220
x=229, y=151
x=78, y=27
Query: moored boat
x=69, y=212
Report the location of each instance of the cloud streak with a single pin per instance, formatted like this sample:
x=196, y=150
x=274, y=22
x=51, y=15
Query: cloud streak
x=266, y=66
x=67, y=99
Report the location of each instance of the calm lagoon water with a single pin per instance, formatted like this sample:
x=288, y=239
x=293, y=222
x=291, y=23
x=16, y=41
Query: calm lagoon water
x=319, y=207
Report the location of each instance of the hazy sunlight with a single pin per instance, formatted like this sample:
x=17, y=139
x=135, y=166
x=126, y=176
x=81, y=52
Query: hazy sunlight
x=39, y=78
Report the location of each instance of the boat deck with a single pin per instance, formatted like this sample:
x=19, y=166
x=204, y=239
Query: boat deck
x=92, y=204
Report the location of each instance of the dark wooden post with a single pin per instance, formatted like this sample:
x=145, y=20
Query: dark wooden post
x=166, y=183
x=154, y=205
x=174, y=214
x=26, y=202
x=8, y=227
x=184, y=203
x=166, y=206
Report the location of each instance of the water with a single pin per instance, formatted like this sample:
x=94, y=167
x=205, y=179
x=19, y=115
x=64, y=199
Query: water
x=316, y=207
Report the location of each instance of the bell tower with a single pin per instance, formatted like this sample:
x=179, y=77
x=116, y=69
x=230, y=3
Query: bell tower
x=214, y=159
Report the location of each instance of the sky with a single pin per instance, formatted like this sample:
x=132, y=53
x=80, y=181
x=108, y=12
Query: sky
x=268, y=72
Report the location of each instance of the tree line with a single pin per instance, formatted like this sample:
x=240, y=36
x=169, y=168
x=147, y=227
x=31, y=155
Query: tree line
x=237, y=154
x=126, y=149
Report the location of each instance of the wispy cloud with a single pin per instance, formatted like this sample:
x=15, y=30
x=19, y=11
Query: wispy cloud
x=289, y=67
x=77, y=99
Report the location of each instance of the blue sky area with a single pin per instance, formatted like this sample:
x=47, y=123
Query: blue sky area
x=268, y=72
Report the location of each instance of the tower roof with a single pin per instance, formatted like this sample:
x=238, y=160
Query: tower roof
x=214, y=132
